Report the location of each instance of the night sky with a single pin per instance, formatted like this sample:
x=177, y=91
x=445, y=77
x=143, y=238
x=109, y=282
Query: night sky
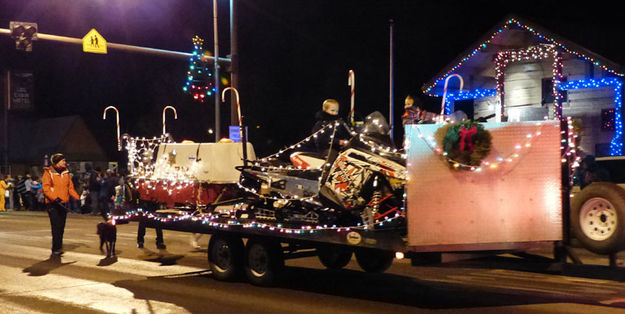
x=293, y=55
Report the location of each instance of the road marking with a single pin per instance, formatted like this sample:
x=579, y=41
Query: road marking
x=612, y=301
x=123, y=265
x=85, y=293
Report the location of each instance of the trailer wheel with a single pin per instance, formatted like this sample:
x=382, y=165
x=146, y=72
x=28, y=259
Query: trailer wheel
x=598, y=217
x=225, y=257
x=264, y=261
x=334, y=257
x=374, y=261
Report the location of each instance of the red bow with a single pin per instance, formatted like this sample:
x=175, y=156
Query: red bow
x=465, y=136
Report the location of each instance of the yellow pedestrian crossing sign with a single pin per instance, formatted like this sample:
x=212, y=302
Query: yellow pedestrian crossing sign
x=94, y=42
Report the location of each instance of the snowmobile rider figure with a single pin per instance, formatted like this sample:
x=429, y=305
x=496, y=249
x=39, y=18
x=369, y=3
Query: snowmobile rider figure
x=58, y=188
x=329, y=114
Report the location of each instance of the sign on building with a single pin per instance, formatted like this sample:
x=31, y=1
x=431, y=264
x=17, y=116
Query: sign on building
x=22, y=90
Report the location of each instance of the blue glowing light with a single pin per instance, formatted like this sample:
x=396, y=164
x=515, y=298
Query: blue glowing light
x=616, y=145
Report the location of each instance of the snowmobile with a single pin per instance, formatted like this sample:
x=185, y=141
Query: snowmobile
x=358, y=184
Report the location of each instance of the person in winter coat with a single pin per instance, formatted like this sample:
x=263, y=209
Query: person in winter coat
x=329, y=114
x=3, y=188
x=36, y=189
x=20, y=192
x=11, y=200
x=58, y=188
x=28, y=195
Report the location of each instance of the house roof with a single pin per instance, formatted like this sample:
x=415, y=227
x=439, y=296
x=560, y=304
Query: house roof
x=512, y=33
x=30, y=140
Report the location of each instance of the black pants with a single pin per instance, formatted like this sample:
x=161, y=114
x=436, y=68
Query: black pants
x=57, y=215
x=141, y=233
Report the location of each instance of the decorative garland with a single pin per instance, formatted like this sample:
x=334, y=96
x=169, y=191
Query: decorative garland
x=464, y=143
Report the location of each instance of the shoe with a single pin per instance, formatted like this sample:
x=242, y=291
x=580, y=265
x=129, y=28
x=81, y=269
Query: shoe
x=161, y=246
x=140, y=245
x=57, y=253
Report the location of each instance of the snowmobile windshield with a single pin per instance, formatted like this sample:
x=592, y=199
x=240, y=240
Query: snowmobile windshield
x=376, y=125
x=376, y=129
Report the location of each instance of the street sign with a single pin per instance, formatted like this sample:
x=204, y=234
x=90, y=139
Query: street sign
x=94, y=42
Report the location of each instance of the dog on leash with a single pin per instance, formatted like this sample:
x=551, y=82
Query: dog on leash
x=108, y=236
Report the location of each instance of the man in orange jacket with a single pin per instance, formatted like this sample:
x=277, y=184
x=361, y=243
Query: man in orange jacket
x=58, y=188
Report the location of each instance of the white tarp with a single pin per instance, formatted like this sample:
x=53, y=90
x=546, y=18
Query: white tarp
x=206, y=162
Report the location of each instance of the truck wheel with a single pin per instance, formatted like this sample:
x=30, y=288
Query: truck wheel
x=374, y=261
x=264, y=261
x=598, y=217
x=225, y=257
x=334, y=257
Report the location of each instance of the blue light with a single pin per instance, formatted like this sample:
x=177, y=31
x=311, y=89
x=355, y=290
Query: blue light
x=616, y=145
x=464, y=95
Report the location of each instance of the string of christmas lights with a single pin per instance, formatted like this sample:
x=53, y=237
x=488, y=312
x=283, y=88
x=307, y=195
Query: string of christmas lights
x=199, y=78
x=616, y=145
x=215, y=221
x=141, y=154
x=491, y=165
x=570, y=153
x=530, y=54
x=507, y=25
x=306, y=140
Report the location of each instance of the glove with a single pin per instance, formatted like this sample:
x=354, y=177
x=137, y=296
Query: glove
x=58, y=200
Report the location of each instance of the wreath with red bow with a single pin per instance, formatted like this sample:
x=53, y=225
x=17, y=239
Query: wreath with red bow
x=465, y=144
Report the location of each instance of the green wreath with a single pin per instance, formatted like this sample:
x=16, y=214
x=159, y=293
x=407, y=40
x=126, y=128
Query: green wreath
x=465, y=143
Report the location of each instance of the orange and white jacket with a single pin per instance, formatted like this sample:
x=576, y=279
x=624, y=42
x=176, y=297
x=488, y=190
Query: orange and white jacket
x=58, y=185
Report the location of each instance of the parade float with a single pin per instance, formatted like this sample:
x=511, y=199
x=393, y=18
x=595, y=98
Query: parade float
x=455, y=186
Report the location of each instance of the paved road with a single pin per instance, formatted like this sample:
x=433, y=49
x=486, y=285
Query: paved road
x=176, y=280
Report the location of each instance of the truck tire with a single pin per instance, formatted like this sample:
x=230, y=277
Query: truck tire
x=374, y=261
x=598, y=217
x=263, y=262
x=226, y=257
x=334, y=257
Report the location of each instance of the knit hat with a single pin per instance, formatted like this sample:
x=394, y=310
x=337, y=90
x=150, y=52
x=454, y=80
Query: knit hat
x=56, y=158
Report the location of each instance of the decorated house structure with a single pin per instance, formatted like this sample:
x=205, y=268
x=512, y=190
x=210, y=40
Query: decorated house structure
x=521, y=72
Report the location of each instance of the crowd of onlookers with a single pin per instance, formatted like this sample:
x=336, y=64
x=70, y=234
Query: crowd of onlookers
x=99, y=190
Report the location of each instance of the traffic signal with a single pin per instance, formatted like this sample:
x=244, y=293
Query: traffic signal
x=24, y=33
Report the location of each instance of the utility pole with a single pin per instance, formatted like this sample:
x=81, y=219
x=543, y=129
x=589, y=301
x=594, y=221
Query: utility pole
x=216, y=74
x=391, y=82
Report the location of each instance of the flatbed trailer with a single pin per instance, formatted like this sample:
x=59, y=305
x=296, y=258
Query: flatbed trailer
x=514, y=205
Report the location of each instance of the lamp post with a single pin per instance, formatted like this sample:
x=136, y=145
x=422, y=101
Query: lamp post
x=234, y=66
x=234, y=62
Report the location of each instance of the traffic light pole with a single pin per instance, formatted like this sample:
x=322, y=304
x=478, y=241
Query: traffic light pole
x=121, y=47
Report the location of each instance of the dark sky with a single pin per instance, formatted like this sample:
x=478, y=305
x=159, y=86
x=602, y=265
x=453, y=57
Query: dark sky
x=293, y=55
